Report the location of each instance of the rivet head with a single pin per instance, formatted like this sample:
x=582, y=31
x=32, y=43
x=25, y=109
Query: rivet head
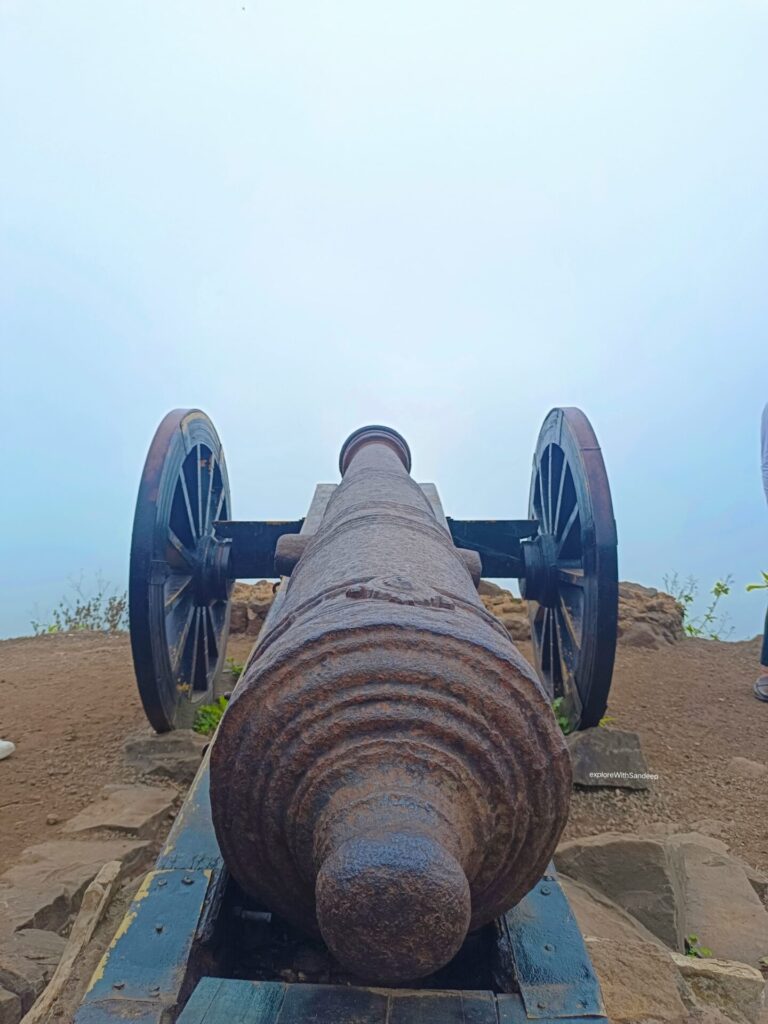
x=119, y=984
x=549, y=947
x=187, y=881
x=545, y=890
x=158, y=928
x=541, y=1006
x=162, y=881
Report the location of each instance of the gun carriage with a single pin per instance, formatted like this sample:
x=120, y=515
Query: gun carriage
x=388, y=784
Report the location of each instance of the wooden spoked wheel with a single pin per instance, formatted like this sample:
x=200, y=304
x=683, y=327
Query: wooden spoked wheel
x=571, y=569
x=179, y=587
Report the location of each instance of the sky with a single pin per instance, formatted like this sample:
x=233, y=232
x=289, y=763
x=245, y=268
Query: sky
x=448, y=217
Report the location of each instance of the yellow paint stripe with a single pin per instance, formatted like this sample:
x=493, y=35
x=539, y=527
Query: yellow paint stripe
x=141, y=894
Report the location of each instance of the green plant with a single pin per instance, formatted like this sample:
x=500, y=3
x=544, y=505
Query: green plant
x=605, y=721
x=562, y=719
x=711, y=625
x=209, y=715
x=104, y=611
x=235, y=668
x=692, y=948
x=759, y=586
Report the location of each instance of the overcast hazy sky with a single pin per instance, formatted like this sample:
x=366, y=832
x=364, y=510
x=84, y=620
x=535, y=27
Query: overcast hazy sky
x=448, y=217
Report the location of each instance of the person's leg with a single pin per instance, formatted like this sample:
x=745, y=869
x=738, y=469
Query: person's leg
x=761, y=686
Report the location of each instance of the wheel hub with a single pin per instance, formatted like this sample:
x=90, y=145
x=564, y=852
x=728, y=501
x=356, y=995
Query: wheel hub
x=211, y=580
x=540, y=562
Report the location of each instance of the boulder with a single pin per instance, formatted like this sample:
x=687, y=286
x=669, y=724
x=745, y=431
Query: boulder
x=46, y=886
x=608, y=757
x=758, y=881
x=639, y=982
x=511, y=611
x=136, y=810
x=27, y=962
x=717, y=903
x=632, y=871
x=250, y=604
x=735, y=990
x=601, y=918
x=648, y=617
x=10, y=1007
x=170, y=755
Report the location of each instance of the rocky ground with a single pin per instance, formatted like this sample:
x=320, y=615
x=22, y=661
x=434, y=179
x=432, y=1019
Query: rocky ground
x=70, y=703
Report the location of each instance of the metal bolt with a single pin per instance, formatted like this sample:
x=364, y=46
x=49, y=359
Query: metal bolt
x=545, y=890
x=119, y=984
x=187, y=881
x=158, y=928
x=549, y=947
x=162, y=881
x=541, y=1006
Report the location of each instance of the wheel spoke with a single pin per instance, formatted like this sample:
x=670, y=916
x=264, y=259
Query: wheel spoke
x=550, y=524
x=195, y=650
x=206, y=652
x=553, y=651
x=213, y=638
x=546, y=649
x=563, y=471
x=188, y=503
x=543, y=499
x=177, y=588
x=199, y=478
x=558, y=675
x=209, y=496
x=567, y=528
x=182, y=641
x=568, y=629
x=187, y=557
x=539, y=621
x=571, y=577
x=219, y=505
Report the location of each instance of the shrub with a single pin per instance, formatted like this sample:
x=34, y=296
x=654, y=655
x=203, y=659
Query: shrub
x=209, y=715
x=712, y=624
x=104, y=611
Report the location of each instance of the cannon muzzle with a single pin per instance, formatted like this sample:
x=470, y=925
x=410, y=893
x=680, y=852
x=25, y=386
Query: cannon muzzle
x=389, y=774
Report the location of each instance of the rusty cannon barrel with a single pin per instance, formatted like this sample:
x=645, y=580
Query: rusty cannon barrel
x=389, y=774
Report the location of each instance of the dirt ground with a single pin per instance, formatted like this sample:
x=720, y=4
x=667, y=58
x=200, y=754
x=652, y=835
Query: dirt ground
x=68, y=702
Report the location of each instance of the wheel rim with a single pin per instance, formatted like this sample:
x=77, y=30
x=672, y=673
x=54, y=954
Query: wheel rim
x=179, y=590
x=571, y=580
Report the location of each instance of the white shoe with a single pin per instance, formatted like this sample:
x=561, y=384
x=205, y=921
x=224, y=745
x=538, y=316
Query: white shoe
x=6, y=748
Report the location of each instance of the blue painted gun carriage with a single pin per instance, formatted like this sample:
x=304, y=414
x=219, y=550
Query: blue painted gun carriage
x=199, y=943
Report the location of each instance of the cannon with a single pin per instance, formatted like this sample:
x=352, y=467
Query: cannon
x=388, y=782
x=186, y=553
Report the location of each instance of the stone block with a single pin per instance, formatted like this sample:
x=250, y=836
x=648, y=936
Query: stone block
x=717, y=902
x=171, y=755
x=10, y=1007
x=46, y=886
x=735, y=990
x=27, y=962
x=632, y=871
x=136, y=810
x=639, y=982
x=608, y=757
